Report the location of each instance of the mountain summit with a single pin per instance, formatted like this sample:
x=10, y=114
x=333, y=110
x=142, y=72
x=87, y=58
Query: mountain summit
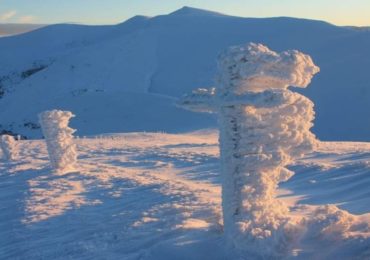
x=191, y=11
x=126, y=77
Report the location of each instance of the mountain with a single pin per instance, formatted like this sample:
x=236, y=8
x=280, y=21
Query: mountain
x=7, y=29
x=126, y=77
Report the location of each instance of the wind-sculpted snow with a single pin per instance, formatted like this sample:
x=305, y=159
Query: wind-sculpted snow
x=263, y=128
x=59, y=139
x=256, y=68
x=9, y=147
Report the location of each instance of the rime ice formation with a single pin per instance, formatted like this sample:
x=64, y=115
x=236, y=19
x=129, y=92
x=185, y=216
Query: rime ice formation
x=59, y=139
x=263, y=126
x=9, y=147
x=256, y=68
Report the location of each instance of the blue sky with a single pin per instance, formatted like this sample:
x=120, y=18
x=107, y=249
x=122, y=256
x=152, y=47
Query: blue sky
x=340, y=12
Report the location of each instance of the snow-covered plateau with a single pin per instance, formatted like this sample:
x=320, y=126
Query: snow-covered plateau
x=158, y=196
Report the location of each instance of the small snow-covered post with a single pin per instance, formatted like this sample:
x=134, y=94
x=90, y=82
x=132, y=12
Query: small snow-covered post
x=263, y=127
x=59, y=139
x=9, y=147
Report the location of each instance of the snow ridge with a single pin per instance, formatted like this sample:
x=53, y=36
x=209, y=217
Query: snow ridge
x=170, y=54
x=191, y=11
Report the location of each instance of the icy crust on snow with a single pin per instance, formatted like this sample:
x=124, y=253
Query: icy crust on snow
x=255, y=67
x=263, y=128
x=8, y=147
x=59, y=139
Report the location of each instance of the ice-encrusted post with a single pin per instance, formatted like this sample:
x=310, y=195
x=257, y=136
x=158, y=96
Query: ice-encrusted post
x=263, y=126
x=9, y=147
x=59, y=139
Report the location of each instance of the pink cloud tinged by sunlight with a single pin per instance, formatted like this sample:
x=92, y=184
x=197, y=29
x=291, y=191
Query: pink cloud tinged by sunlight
x=7, y=15
x=27, y=19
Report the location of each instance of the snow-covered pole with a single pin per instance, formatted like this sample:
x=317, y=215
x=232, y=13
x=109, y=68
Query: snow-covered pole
x=8, y=147
x=59, y=139
x=263, y=126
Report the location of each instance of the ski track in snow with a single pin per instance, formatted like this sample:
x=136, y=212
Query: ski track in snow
x=149, y=196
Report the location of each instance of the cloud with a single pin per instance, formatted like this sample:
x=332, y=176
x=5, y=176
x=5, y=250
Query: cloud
x=27, y=19
x=7, y=15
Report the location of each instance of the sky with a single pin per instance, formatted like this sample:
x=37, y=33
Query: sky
x=339, y=12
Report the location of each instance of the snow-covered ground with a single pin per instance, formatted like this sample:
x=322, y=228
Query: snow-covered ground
x=158, y=196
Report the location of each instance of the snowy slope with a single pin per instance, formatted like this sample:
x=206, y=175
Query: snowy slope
x=102, y=111
x=157, y=196
x=171, y=55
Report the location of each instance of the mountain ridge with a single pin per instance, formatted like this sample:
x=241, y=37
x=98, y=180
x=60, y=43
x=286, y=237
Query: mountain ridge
x=170, y=55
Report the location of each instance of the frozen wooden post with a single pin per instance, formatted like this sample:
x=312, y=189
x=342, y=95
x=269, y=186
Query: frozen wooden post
x=59, y=139
x=263, y=126
x=9, y=147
